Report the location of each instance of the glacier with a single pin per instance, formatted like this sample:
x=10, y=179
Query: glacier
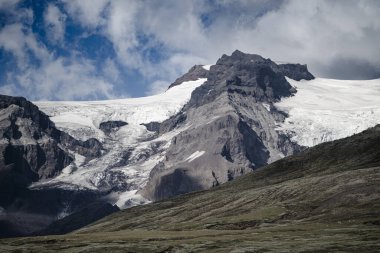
x=329, y=109
x=321, y=110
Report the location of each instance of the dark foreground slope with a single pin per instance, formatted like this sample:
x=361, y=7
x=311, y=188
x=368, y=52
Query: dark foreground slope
x=325, y=199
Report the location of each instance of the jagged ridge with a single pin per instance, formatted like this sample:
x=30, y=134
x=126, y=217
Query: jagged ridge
x=228, y=119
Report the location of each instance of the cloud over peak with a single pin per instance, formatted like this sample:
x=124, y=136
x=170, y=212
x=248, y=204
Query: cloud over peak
x=137, y=47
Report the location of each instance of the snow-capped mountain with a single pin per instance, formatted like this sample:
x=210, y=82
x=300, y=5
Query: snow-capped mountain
x=320, y=110
x=213, y=124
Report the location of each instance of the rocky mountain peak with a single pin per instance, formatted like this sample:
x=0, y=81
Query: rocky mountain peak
x=194, y=73
x=29, y=110
x=249, y=74
x=296, y=71
x=246, y=74
x=241, y=57
x=227, y=129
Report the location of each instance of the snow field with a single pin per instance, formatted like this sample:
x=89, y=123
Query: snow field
x=327, y=109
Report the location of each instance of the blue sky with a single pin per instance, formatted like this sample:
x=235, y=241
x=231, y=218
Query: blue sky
x=101, y=49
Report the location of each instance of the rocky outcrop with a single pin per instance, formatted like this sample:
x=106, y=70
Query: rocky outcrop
x=295, y=71
x=152, y=126
x=32, y=149
x=228, y=127
x=28, y=150
x=196, y=72
x=110, y=126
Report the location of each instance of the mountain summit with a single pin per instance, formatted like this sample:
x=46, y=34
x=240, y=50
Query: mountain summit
x=228, y=126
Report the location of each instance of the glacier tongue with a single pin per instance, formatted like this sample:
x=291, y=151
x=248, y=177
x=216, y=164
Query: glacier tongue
x=327, y=109
x=129, y=152
x=82, y=119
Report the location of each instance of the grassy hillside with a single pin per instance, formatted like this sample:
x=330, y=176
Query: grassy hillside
x=326, y=199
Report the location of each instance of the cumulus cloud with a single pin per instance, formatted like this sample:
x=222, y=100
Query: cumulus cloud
x=21, y=44
x=319, y=33
x=88, y=12
x=55, y=23
x=121, y=30
x=158, y=87
x=40, y=74
x=324, y=34
x=6, y=4
x=60, y=79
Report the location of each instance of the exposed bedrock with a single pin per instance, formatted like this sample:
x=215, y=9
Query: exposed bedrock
x=228, y=127
x=296, y=71
x=110, y=126
x=195, y=72
x=33, y=149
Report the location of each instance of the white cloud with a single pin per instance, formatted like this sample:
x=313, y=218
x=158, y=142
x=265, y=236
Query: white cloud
x=121, y=30
x=21, y=43
x=60, y=79
x=66, y=81
x=54, y=23
x=157, y=87
x=7, y=4
x=87, y=12
x=318, y=33
x=323, y=34
x=111, y=71
x=13, y=39
x=56, y=78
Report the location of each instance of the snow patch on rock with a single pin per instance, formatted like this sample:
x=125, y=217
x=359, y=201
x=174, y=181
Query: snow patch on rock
x=266, y=106
x=195, y=155
x=206, y=67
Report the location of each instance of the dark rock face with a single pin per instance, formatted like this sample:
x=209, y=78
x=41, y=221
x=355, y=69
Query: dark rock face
x=89, y=148
x=254, y=149
x=29, y=111
x=229, y=126
x=172, y=122
x=124, y=158
x=152, y=126
x=176, y=183
x=31, y=149
x=296, y=71
x=110, y=126
x=28, y=149
x=193, y=74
